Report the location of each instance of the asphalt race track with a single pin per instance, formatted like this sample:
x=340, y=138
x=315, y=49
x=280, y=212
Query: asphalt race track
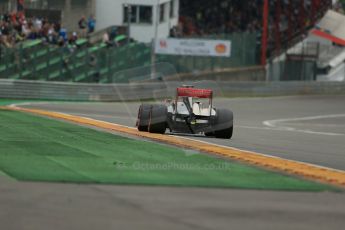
x=308, y=129
x=33, y=206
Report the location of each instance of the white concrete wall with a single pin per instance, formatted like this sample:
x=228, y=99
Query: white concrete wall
x=317, y=39
x=110, y=12
x=336, y=74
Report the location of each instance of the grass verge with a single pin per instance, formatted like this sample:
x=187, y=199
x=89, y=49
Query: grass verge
x=4, y=102
x=33, y=148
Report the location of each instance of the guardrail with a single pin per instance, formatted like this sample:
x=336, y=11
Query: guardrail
x=41, y=90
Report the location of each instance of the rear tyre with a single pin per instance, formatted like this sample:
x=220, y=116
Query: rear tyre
x=143, y=117
x=224, y=125
x=209, y=134
x=158, y=119
x=225, y=133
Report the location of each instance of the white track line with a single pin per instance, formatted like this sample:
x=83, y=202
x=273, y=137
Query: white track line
x=274, y=124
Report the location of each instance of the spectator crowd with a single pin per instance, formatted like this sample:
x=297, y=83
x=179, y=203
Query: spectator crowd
x=199, y=17
x=15, y=28
x=219, y=17
x=287, y=18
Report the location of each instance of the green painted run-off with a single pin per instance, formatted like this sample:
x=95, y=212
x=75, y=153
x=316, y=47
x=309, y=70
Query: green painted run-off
x=39, y=149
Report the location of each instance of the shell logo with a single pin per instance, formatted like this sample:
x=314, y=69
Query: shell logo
x=163, y=44
x=221, y=48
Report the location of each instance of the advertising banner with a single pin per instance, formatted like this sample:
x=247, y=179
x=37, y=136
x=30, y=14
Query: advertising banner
x=193, y=47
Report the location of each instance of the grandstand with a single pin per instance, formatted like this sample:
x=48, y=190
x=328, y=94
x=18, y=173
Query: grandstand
x=287, y=20
x=256, y=35
x=322, y=51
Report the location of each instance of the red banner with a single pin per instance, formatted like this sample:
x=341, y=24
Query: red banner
x=265, y=17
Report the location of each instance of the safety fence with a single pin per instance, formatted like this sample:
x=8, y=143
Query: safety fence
x=33, y=60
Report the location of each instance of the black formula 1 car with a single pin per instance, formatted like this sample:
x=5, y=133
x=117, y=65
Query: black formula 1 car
x=191, y=112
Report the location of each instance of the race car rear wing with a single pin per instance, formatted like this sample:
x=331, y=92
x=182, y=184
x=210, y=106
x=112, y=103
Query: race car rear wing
x=196, y=93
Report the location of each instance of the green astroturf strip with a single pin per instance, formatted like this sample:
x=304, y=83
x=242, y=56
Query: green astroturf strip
x=39, y=149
